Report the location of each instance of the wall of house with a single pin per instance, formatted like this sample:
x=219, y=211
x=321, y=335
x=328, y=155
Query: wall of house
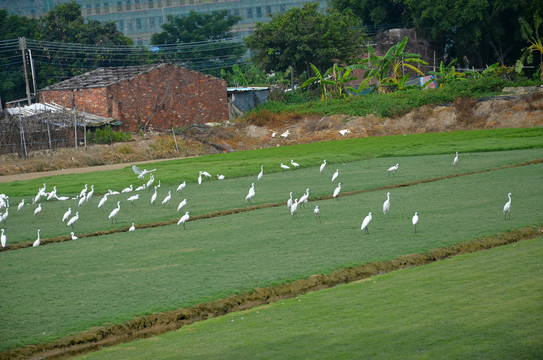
x=91, y=100
x=166, y=97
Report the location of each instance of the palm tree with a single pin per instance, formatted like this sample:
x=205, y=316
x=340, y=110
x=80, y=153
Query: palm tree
x=536, y=44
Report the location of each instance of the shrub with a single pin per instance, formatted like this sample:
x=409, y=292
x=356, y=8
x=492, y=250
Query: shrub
x=107, y=135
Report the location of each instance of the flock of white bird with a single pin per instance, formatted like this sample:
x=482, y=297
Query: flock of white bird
x=86, y=194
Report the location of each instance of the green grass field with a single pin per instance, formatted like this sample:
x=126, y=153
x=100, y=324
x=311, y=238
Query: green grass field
x=60, y=289
x=485, y=305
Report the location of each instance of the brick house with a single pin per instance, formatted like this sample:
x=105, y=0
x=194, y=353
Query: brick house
x=157, y=96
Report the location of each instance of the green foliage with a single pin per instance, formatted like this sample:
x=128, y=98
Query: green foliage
x=446, y=74
x=302, y=36
x=535, y=41
x=372, y=12
x=206, y=29
x=107, y=135
x=245, y=75
x=333, y=83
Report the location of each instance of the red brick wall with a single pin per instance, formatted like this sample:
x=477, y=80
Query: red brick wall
x=91, y=100
x=169, y=96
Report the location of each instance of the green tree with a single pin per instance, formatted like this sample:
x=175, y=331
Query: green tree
x=211, y=31
x=535, y=43
x=304, y=36
x=372, y=12
x=333, y=83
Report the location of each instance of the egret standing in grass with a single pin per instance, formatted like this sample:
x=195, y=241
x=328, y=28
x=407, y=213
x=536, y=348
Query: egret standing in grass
x=200, y=178
x=415, y=220
x=294, y=207
x=181, y=204
x=3, y=239
x=132, y=228
x=337, y=190
x=73, y=236
x=81, y=201
x=455, y=161
x=304, y=198
x=167, y=198
x=133, y=198
x=295, y=164
x=392, y=170
x=89, y=194
x=181, y=186
x=183, y=219
x=289, y=201
x=365, y=223
x=220, y=177
x=323, y=165
x=251, y=193
x=37, y=210
x=73, y=220
x=66, y=214
x=317, y=213
x=127, y=189
x=37, y=242
x=153, y=197
x=284, y=167
x=103, y=200
x=386, y=204
x=507, y=207
x=335, y=175
x=114, y=212
x=21, y=204
x=261, y=173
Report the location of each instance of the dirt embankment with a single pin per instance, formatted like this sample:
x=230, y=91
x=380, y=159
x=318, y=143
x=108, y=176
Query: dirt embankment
x=521, y=110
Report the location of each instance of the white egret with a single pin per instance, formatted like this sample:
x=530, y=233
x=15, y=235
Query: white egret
x=285, y=134
x=183, y=219
x=132, y=228
x=182, y=186
x=181, y=204
x=153, y=197
x=52, y=194
x=115, y=211
x=220, y=177
x=415, y=220
x=274, y=133
x=83, y=192
x=5, y=216
x=66, y=214
x=261, y=173
x=73, y=220
x=112, y=192
x=251, y=193
x=62, y=198
x=103, y=200
x=323, y=165
x=507, y=207
x=141, y=187
x=206, y=174
x=90, y=193
x=335, y=175
x=150, y=181
x=285, y=167
x=365, y=223
x=337, y=190
x=37, y=210
x=167, y=198
x=37, y=242
x=317, y=213
x=289, y=201
x=81, y=201
x=21, y=204
x=392, y=170
x=200, y=178
x=455, y=161
x=386, y=204
x=304, y=197
x=294, y=207
x=344, y=131
x=127, y=189
x=3, y=239
x=141, y=173
x=73, y=236
x=133, y=198
x=37, y=198
x=295, y=164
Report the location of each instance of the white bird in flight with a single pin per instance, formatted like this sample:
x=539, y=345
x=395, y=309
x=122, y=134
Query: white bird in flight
x=392, y=170
x=507, y=207
x=335, y=175
x=114, y=212
x=141, y=173
x=455, y=161
x=183, y=219
x=322, y=165
x=337, y=190
x=415, y=220
x=73, y=220
x=386, y=204
x=73, y=236
x=37, y=242
x=365, y=223
x=3, y=239
x=251, y=193
x=295, y=164
x=261, y=173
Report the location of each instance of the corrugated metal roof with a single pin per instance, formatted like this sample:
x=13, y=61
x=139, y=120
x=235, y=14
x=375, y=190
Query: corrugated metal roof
x=102, y=77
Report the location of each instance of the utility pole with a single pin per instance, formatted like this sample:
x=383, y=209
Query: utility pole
x=22, y=45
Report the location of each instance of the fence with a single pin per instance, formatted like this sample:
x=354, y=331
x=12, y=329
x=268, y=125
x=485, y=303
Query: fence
x=20, y=133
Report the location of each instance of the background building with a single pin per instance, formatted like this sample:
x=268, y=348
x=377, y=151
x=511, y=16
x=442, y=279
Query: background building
x=139, y=19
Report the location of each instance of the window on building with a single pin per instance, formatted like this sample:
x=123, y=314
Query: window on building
x=158, y=3
x=120, y=25
x=250, y=13
x=283, y=8
x=191, y=2
x=151, y=22
x=138, y=24
x=130, y=24
x=168, y=2
x=151, y=4
x=160, y=20
x=137, y=3
x=119, y=6
x=106, y=8
x=128, y=5
x=268, y=10
x=236, y=12
x=258, y=12
x=181, y=2
x=88, y=9
x=97, y=8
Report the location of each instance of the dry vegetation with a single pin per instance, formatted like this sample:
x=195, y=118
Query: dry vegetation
x=255, y=131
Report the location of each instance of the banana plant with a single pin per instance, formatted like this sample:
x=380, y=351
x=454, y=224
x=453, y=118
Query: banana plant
x=333, y=83
x=446, y=74
x=536, y=43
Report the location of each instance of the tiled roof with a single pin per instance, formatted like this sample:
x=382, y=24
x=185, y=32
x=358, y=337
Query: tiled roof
x=102, y=77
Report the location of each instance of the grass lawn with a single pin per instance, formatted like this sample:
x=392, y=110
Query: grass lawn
x=54, y=290
x=485, y=305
